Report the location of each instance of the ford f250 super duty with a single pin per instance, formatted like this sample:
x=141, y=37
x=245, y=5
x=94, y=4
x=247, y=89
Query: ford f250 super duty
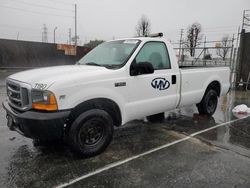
x=116, y=82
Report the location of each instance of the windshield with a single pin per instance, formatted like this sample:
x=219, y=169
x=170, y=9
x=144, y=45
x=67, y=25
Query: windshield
x=110, y=54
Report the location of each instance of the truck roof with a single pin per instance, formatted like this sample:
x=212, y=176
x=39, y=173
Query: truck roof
x=150, y=37
x=145, y=39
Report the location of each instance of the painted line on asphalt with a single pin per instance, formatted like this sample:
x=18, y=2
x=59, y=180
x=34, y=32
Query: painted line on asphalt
x=115, y=164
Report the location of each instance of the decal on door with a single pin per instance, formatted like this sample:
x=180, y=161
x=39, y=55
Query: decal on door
x=160, y=83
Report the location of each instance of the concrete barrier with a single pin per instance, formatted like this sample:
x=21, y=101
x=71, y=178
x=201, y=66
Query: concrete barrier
x=24, y=54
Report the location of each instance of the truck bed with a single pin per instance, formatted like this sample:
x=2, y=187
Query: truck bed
x=195, y=79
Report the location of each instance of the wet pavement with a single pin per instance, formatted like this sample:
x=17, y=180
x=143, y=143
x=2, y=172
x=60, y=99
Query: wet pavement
x=219, y=157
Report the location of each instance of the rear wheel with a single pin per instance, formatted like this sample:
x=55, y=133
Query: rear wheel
x=91, y=132
x=209, y=103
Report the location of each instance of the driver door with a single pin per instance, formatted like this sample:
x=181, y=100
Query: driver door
x=152, y=93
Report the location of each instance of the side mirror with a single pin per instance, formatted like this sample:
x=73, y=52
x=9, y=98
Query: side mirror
x=141, y=68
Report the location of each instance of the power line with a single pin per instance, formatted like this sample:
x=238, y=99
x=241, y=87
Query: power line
x=210, y=41
x=27, y=29
x=220, y=27
x=18, y=27
x=43, y=6
x=35, y=12
x=219, y=31
x=61, y=2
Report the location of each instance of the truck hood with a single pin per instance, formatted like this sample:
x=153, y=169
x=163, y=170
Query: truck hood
x=49, y=75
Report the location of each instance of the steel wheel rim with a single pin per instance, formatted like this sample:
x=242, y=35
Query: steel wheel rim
x=211, y=104
x=92, y=133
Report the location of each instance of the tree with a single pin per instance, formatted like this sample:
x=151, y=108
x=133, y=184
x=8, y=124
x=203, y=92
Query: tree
x=223, y=49
x=143, y=27
x=193, y=38
x=93, y=43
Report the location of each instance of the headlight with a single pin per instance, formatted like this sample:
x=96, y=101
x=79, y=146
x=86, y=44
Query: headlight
x=43, y=100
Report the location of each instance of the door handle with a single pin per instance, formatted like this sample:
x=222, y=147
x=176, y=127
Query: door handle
x=173, y=79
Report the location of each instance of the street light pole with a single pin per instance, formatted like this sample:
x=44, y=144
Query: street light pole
x=55, y=35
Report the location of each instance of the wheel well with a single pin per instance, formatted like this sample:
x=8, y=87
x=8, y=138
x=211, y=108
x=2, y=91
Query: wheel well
x=99, y=103
x=216, y=86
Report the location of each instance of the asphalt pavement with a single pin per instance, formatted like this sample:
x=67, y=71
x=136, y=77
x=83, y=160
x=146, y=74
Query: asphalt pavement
x=185, y=150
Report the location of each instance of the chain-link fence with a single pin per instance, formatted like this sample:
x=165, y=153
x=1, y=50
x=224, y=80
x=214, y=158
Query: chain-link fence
x=209, y=53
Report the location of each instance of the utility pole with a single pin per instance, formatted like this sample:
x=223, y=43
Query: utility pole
x=205, y=50
x=45, y=33
x=17, y=37
x=75, y=27
x=180, y=44
x=55, y=34
x=70, y=36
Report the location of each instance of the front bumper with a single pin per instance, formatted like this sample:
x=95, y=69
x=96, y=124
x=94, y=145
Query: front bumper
x=37, y=125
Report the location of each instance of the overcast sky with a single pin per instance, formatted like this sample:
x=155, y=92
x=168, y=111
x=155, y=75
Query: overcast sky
x=107, y=19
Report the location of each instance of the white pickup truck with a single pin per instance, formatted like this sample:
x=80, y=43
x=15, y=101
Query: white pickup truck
x=116, y=82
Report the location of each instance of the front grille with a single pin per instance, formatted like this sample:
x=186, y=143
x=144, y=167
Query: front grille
x=18, y=95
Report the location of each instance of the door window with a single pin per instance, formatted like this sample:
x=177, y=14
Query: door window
x=155, y=53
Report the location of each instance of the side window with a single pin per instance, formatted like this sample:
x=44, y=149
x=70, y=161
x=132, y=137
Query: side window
x=155, y=53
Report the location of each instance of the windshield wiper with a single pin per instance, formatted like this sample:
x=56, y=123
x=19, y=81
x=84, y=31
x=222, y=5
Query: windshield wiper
x=112, y=66
x=93, y=63
x=109, y=66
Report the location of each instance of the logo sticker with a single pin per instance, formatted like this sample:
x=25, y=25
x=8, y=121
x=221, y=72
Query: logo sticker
x=160, y=83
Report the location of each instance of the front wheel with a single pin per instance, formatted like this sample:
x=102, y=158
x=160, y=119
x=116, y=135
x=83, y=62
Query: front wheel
x=209, y=103
x=91, y=132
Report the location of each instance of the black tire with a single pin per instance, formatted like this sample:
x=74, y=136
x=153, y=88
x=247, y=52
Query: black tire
x=91, y=133
x=208, y=104
x=156, y=117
